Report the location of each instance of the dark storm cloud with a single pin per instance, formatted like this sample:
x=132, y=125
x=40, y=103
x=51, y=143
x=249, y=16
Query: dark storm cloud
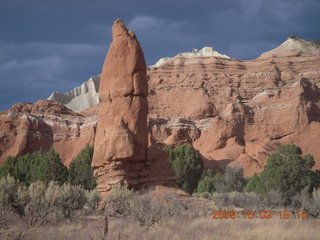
x=50, y=46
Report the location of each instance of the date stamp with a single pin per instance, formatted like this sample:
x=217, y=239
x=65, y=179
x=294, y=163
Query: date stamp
x=261, y=214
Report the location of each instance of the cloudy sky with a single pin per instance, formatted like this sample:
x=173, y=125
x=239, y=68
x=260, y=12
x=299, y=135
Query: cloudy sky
x=48, y=45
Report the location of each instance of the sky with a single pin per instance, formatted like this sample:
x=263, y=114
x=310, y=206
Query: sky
x=48, y=45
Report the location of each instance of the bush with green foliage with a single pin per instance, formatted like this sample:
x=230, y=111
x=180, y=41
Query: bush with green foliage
x=188, y=166
x=229, y=180
x=286, y=171
x=234, y=179
x=8, y=167
x=47, y=166
x=41, y=203
x=40, y=165
x=80, y=170
x=206, y=183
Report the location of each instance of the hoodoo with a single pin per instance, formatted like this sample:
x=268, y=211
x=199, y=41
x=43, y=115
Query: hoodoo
x=121, y=145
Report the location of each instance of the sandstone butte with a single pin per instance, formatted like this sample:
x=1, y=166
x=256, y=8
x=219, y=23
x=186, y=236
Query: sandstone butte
x=233, y=112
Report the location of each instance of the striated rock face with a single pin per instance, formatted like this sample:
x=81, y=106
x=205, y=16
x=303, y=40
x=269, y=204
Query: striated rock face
x=206, y=85
x=246, y=133
x=29, y=127
x=121, y=145
x=232, y=111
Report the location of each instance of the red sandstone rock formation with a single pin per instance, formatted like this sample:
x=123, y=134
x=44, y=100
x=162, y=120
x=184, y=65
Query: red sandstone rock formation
x=248, y=132
x=202, y=87
x=121, y=145
x=29, y=127
x=230, y=110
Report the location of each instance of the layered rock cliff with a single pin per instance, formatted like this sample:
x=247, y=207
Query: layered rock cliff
x=28, y=127
x=230, y=110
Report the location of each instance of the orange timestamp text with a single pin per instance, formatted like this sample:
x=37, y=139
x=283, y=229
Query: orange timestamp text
x=261, y=214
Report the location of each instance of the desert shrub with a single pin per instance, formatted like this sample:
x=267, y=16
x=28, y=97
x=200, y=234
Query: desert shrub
x=206, y=183
x=234, y=180
x=41, y=203
x=273, y=199
x=37, y=211
x=219, y=183
x=286, y=171
x=119, y=201
x=244, y=200
x=147, y=211
x=174, y=206
x=80, y=170
x=23, y=197
x=52, y=193
x=237, y=199
x=255, y=185
x=221, y=199
x=71, y=199
x=93, y=198
x=52, y=202
x=301, y=199
x=229, y=180
x=316, y=196
x=8, y=192
x=313, y=206
x=188, y=166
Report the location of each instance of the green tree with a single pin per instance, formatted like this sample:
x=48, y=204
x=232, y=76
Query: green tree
x=80, y=171
x=188, y=166
x=229, y=180
x=40, y=165
x=234, y=180
x=22, y=169
x=7, y=168
x=47, y=166
x=206, y=183
x=286, y=171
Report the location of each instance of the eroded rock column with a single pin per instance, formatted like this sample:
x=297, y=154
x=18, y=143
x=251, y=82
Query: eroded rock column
x=121, y=144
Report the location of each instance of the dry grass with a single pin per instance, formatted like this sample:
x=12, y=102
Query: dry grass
x=208, y=229
x=191, y=221
x=176, y=228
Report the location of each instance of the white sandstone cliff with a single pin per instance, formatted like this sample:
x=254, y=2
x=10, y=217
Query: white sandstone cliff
x=81, y=97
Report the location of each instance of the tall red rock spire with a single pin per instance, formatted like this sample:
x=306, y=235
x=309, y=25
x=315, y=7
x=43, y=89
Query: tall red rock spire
x=122, y=134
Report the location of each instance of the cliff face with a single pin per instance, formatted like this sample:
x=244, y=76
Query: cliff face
x=206, y=85
x=230, y=110
x=205, y=81
x=29, y=127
